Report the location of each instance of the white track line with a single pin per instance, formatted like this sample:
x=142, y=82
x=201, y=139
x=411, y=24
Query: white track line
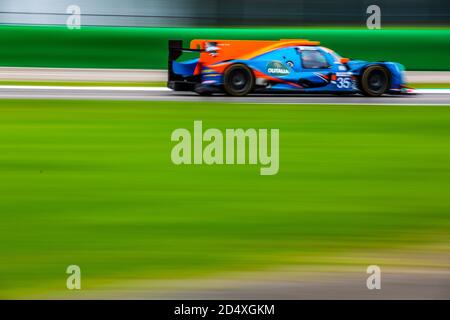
x=390, y=104
x=432, y=91
x=101, y=88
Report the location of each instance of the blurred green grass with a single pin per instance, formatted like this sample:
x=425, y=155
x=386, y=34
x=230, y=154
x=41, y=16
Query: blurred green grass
x=91, y=183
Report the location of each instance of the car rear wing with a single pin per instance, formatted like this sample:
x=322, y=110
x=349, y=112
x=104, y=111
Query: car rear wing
x=175, y=51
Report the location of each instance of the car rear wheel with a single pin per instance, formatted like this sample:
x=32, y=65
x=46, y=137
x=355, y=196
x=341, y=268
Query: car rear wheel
x=375, y=81
x=238, y=80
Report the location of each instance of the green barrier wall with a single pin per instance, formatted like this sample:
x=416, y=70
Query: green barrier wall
x=105, y=47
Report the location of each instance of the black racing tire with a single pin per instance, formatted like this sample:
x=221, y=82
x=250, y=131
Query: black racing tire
x=239, y=80
x=375, y=81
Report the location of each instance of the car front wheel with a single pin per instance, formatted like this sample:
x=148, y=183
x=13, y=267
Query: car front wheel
x=375, y=81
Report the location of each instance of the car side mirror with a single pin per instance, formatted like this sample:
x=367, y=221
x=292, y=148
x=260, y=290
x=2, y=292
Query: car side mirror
x=344, y=60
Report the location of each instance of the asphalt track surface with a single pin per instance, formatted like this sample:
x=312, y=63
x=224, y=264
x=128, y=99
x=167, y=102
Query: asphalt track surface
x=423, y=97
x=93, y=74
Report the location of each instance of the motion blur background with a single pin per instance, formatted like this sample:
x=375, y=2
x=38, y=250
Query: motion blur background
x=134, y=34
x=225, y=13
x=90, y=182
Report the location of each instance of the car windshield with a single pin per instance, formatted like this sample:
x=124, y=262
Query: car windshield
x=314, y=59
x=336, y=56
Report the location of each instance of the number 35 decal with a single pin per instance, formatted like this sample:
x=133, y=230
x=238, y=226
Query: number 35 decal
x=344, y=82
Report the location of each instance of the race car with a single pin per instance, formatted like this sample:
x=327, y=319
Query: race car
x=240, y=67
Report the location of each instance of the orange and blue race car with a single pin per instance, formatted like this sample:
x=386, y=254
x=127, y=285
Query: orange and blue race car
x=240, y=67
